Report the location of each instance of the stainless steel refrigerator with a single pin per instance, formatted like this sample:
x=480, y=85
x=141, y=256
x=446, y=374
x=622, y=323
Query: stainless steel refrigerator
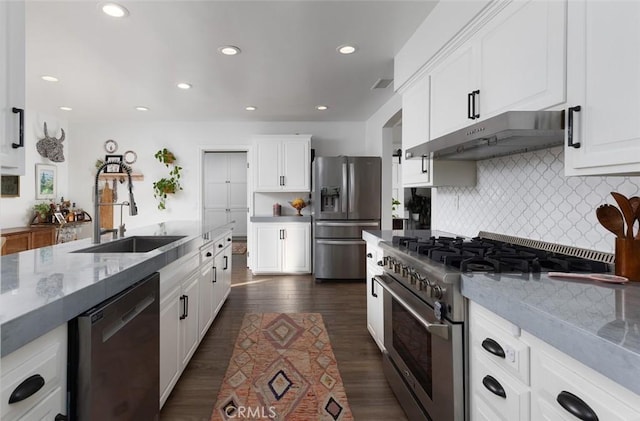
x=346, y=201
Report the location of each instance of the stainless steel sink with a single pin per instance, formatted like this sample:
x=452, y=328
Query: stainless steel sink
x=134, y=244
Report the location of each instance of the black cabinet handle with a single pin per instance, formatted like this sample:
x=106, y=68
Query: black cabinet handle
x=474, y=114
x=226, y=262
x=493, y=347
x=20, y=112
x=469, y=100
x=208, y=254
x=282, y=180
x=369, y=255
x=215, y=275
x=186, y=306
x=60, y=417
x=494, y=386
x=27, y=388
x=219, y=246
x=576, y=406
x=570, y=141
x=282, y=234
x=373, y=285
x=228, y=239
x=183, y=316
x=424, y=169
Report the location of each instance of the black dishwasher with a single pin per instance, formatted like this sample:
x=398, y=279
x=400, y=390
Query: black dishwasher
x=114, y=357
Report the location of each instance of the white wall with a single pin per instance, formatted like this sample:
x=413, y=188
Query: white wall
x=17, y=211
x=186, y=140
x=527, y=195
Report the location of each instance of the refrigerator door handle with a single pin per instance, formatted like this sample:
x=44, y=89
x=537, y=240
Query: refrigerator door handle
x=340, y=242
x=345, y=188
x=352, y=187
x=346, y=224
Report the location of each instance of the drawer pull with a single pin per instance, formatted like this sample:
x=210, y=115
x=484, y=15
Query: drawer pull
x=208, y=254
x=493, y=347
x=27, y=388
x=60, y=417
x=576, y=406
x=494, y=386
x=369, y=255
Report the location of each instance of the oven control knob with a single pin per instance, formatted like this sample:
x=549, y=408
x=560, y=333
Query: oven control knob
x=436, y=291
x=439, y=309
x=405, y=271
x=396, y=267
x=380, y=262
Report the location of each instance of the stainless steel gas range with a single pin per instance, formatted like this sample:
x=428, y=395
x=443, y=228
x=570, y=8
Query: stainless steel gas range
x=425, y=313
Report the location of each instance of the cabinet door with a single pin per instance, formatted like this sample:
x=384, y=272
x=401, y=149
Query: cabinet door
x=522, y=58
x=12, y=84
x=296, y=165
x=48, y=408
x=267, y=248
x=189, y=333
x=415, y=129
x=451, y=83
x=17, y=243
x=603, y=68
x=296, y=254
x=267, y=165
x=226, y=272
x=170, y=311
x=205, y=298
x=218, y=285
x=43, y=237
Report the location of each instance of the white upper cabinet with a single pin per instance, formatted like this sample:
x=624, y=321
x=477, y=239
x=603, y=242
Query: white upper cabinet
x=12, y=86
x=603, y=81
x=516, y=61
x=282, y=163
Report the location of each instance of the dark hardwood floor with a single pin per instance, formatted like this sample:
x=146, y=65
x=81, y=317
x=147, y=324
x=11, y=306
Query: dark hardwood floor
x=343, y=308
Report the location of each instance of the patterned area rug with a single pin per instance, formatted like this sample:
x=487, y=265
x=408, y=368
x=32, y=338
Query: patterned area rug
x=282, y=368
x=238, y=248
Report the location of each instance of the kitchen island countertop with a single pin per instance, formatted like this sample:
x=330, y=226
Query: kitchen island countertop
x=43, y=288
x=595, y=323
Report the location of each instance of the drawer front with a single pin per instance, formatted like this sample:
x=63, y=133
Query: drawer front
x=374, y=254
x=48, y=408
x=487, y=405
x=206, y=252
x=494, y=338
x=46, y=357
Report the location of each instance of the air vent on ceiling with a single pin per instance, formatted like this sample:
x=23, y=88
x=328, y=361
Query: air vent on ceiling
x=381, y=83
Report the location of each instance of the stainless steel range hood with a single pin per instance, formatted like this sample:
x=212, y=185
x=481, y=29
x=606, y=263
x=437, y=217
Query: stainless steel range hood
x=505, y=134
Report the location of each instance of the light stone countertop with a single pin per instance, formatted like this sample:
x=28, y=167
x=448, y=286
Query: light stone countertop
x=43, y=288
x=598, y=324
x=280, y=219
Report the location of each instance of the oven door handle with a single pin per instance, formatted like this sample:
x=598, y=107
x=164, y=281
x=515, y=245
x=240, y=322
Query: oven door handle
x=438, y=329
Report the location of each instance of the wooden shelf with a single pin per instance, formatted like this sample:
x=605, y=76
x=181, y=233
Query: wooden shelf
x=118, y=176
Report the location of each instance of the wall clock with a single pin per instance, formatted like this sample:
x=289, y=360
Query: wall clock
x=110, y=146
x=130, y=157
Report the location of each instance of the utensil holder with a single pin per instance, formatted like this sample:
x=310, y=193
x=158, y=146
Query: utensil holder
x=628, y=258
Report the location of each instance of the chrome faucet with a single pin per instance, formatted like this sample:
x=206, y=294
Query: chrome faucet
x=133, y=209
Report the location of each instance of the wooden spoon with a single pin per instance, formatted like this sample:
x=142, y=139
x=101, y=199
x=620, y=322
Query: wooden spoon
x=635, y=205
x=627, y=212
x=611, y=218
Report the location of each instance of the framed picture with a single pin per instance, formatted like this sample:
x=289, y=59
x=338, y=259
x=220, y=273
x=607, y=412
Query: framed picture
x=45, y=181
x=112, y=168
x=60, y=218
x=10, y=186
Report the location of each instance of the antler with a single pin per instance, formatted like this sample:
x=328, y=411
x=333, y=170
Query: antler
x=46, y=134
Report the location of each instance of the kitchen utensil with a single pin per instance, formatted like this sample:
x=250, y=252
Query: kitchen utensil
x=635, y=205
x=627, y=262
x=627, y=212
x=602, y=277
x=611, y=218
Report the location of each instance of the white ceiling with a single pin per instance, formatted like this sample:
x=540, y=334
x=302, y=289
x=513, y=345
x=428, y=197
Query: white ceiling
x=288, y=63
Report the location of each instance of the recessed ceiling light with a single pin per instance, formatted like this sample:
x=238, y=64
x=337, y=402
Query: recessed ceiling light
x=114, y=10
x=347, y=49
x=229, y=50
x=141, y=108
x=66, y=108
x=321, y=107
x=184, y=85
x=250, y=108
x=49, y=78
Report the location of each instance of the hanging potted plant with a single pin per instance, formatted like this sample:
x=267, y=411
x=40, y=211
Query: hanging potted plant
x=167, y=185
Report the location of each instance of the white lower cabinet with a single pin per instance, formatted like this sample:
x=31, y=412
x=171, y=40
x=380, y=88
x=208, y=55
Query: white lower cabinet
x=44, y=361
x=516, y=376
x=281, y=248
x=375, y=296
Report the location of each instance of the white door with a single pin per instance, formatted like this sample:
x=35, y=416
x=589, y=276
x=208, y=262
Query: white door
x=225, y=190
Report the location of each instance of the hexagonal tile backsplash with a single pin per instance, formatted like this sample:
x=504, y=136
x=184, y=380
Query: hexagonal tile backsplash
x=527, y=195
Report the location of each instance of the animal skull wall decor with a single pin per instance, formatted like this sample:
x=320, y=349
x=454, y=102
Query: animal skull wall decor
x=50, y=147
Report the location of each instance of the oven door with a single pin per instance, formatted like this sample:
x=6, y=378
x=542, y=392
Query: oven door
x=426, y=353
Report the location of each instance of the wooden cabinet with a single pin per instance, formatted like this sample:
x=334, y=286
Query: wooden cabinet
x=45, y=357
x=282, y=247
x=603, y=66
x=12, y=86
x=423, y=171
x=514, y=62
x=375, y=296
x=282, y=163
x=27, y=238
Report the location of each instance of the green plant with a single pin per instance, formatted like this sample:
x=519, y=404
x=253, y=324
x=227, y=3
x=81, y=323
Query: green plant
x=42, y=209
x=394, y=203
x=167, y=185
